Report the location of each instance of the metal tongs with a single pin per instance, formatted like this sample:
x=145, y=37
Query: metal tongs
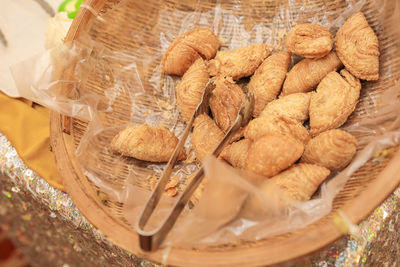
x=151, y=240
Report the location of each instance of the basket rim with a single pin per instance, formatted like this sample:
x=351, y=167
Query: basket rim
x=85, y=199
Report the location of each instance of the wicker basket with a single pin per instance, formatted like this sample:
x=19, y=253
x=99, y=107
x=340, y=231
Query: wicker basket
x=366, y=189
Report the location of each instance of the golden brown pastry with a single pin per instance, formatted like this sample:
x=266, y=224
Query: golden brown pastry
x=206, y=136
x=187, y=48
x=225, y=102
x=309, y=40
x=144, y=142
x=333, y=149
x=171, y=189
x=272, y=153
x=294, y=106
x=177, y=60
x=334, y=101
x=236, y=153
x=358, y=48
x=240, y=62
x=268, y=79
x=204, y=41
x=306, y=74
x=268, y=123
x=300, y=181
x=190, y=89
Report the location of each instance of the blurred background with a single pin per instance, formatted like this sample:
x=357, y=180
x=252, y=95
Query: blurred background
x=24, y=25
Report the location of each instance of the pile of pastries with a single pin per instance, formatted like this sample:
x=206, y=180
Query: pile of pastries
x=293, y=138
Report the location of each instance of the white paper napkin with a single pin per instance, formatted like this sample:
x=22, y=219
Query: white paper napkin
x=24, y=25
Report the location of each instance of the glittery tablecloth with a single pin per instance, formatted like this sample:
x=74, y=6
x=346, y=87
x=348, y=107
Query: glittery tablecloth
x=50, y=230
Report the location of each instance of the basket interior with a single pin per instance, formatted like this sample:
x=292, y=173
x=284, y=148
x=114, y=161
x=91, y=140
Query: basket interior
x=134, y=28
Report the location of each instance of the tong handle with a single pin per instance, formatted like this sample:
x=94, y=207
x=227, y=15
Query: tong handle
x=159, y=189
x=151, y=240
x=155, y=196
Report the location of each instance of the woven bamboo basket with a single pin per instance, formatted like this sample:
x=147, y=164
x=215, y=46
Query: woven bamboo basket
x=365, y=190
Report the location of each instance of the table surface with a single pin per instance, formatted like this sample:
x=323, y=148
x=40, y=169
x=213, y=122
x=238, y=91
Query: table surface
x=50, y=230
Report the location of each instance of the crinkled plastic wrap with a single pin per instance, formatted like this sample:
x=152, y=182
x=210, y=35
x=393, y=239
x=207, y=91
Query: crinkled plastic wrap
x=52, y=79
x=132, y=90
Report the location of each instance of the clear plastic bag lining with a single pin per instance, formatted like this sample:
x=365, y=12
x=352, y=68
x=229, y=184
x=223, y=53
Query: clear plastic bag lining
x=115, y=84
